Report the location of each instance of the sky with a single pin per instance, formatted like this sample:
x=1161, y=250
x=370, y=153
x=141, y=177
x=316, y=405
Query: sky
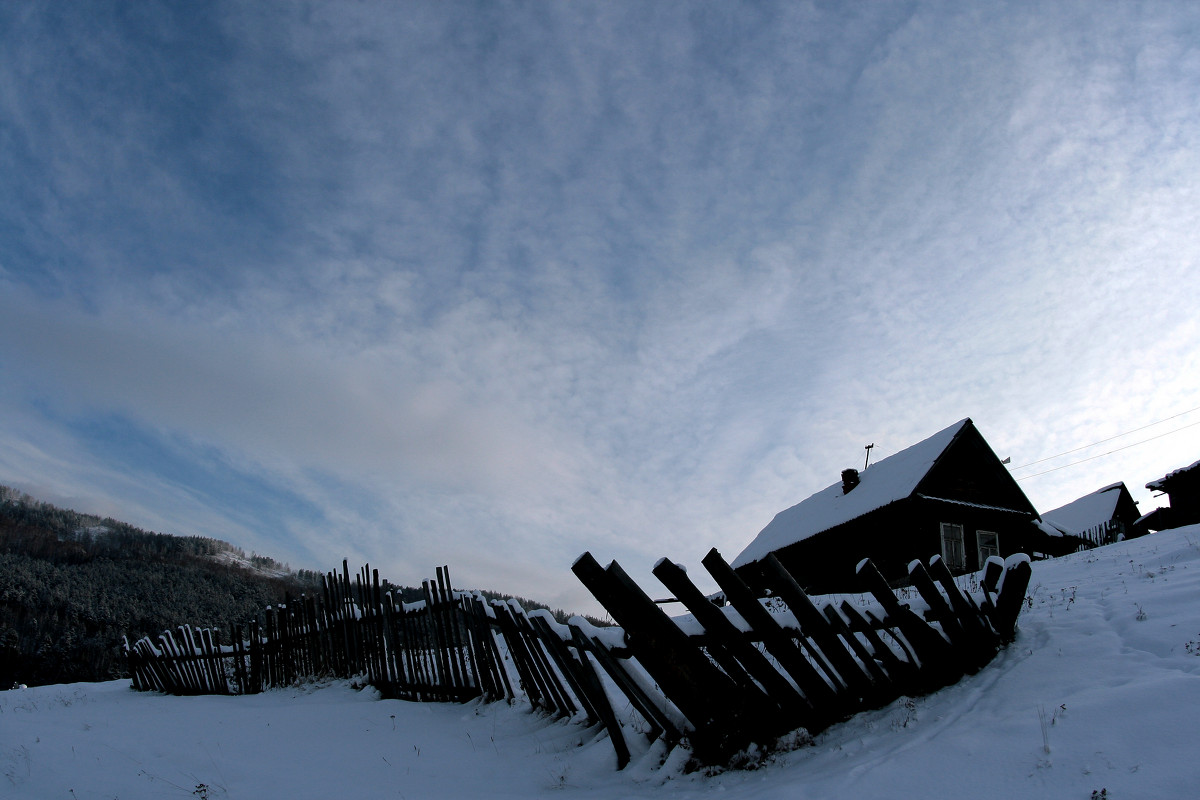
x=492, y=284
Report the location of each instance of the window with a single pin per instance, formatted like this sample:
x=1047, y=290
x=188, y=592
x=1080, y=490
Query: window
x=953, y=551
x=988, y=544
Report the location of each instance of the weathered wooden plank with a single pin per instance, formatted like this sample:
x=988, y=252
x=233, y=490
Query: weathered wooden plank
x=775, y=690
x=195, y=666
x=212, y=655
x=270, y=650
x=239, y=662
x=975, y=625
x=364, y=626
x=899, y=671
x=189, y=666
x=593, y=688
x=189, y=657
x=491, y=664
x=817, y=628
x=383, y=652
x=541, y=661
x=396, y=624
x=530, y=680
x=135, y=665
x=430, y=660
x=195, y=653
x=171, y=664
x=936, y=662
x=154, y=665
x=705, y=695
x=439, y=638
x=1011, y=599
x=159, y=662
x=354, y=665
x=257, y=673
x=879, y=684
x=992, y=573
x=444, y=630
x=779, y=643
x=416, y=646
x=939, y=609
x=489, y=641
x=395, y=654
x=659, y=722
x=964, y=633
x=964, y=607
x=568, y=667
x=465, y=676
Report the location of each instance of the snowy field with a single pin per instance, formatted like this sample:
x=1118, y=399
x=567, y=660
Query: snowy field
x=1099, y=696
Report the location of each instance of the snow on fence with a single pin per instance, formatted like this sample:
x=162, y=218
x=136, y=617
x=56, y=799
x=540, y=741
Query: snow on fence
x=719, y=680
x=436, y=649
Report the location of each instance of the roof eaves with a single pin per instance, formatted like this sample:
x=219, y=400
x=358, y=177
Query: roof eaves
x=1158, y=485
x=972, y=505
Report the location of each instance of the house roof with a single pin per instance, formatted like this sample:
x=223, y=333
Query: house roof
x=884, y=482
x=1088, y=511
x=1160, y=485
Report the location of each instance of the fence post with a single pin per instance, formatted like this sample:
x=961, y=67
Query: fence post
x=820, y=694
x=703, y=693
x=776, y=693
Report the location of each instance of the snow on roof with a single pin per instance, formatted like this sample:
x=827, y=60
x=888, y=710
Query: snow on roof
x=1160, y=484
x=1086, y=512
x=1048, y=529
x=891, y=479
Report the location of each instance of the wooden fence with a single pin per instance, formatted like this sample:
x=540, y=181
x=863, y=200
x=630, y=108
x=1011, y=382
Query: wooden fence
x=719, y=680
x=436, y=649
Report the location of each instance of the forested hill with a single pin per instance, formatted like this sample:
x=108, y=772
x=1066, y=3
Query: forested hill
x=71, y=585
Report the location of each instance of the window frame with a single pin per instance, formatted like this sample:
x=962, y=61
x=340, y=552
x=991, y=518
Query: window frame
x=947, y=541
x=979, y=546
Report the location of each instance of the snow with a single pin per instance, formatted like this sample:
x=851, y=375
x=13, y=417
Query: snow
x=1086, y=512
x=888, y=480
x=1160, y=485
x=231, y=558
x=1048, y=529
x=1108, y=655
x=610, y=637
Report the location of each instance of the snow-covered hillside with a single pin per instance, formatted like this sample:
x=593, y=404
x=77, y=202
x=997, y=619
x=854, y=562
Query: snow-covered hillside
x=261, y=566
x=1097, y=697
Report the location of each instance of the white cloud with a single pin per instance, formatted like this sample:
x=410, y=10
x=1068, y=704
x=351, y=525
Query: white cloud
x=493, y=290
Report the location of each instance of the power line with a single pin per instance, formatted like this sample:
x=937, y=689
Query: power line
x=1109, y=439
x=1110, y=452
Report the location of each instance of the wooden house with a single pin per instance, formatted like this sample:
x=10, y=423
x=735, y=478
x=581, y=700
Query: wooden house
x=1182, y=488
x=948, y=495
x=1105, y=516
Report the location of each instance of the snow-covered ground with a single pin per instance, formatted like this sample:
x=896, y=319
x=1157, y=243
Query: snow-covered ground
x=1100, y=693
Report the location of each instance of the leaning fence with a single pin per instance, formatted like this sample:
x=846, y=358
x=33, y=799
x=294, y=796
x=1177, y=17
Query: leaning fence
x=719, y=679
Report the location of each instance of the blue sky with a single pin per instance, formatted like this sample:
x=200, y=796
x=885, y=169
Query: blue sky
x=491, y=284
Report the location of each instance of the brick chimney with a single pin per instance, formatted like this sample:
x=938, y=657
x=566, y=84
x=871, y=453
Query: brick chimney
x=849, y=480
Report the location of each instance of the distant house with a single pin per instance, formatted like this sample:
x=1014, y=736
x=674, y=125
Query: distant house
x=1105, y=516
x=1182, y=488
x=948, y=495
